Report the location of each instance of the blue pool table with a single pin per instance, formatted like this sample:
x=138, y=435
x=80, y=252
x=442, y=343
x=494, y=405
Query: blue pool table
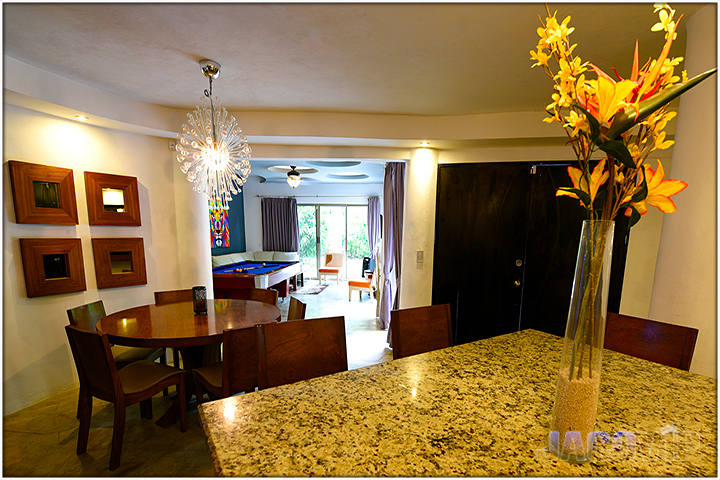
x=228, y=279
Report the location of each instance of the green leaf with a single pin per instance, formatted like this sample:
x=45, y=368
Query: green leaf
x=619, y=151
x=642, y=193
x=583, y=196
x=594, y=125
x=634, y=217
x=627, y=118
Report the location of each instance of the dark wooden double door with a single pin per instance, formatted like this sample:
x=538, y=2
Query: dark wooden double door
x=506, y=248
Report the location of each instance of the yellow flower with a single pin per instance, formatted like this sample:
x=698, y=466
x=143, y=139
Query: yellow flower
x=659, y=191
x=597, y=178
x=541, y=57
x=577, y=123
x=661, y=144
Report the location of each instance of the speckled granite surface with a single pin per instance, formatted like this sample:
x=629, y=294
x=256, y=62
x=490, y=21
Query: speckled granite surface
x=480, y=409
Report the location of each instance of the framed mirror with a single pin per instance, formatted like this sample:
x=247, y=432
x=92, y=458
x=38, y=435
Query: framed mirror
x=112, y=199
x=43, y=194
x=119, y=262
x=52, y=266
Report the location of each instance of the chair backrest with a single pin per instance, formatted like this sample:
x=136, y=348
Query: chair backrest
x=296, y=311
x=94, y=362
x=264, y=295
x=420, y=330
x=87, y=316
x=292, y=351
x=240, y=360
x=334, y=259
x=671, y=345
x=173, y=296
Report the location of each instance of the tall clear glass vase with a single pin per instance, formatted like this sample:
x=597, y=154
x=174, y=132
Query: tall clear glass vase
x=578, y=387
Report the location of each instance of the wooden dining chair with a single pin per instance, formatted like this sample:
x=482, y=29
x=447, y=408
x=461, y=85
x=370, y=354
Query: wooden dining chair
x=238, y=370
x=296, y=310
x=659, y=342
x=292, y=351
x=100, y=378
x=265, y=295
x=87, y=316
x=269, y=295
x=167, y=297
x=173, y=296
x=420, y=329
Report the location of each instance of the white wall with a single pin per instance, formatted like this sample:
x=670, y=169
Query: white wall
x=685, y=287
x=307, y=193
x=37, y=361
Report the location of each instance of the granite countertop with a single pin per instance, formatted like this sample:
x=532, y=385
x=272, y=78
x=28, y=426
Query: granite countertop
x=478, y=409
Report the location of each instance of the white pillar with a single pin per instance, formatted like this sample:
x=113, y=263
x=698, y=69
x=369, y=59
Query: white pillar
x=193, y=224
x=419, y=228
x=684, y=291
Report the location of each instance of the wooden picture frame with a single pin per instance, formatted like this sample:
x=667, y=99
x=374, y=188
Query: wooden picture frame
x=98, y=188
x=43, y=194
x=52, y=266
x=119, y=262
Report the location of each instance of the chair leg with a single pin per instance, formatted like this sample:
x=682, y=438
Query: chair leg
x=163, y=360
x=80, y=396
x=146, y=409
x=183, y=405
x=199, y=398
x=118, y=433
x=85, y=413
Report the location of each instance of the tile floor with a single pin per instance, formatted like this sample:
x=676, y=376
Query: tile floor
x=40, y=440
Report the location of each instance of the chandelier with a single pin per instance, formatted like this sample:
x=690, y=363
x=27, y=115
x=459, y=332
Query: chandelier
x=212, y=149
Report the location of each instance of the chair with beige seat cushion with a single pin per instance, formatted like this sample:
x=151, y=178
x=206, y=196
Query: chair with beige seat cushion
x=333, y=266
x=238, y=370
x=289, y=352
x=138, y=382
x=420, y=330
x=87, y=316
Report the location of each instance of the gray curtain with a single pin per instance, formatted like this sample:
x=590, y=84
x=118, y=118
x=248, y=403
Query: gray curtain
x=280, y=226
x=393, y=206
x=374, y=225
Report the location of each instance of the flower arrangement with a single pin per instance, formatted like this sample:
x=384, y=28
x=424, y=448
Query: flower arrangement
x=623, y=117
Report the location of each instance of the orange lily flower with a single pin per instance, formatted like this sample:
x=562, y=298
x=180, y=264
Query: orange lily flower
x=659, y=191
x=612, y=97
x=597, y=178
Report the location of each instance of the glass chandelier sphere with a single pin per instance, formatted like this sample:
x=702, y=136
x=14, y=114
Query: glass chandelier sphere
x=213, y=151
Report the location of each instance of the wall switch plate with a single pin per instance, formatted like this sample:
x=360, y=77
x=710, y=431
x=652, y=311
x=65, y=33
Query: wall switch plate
x=420, y=255
x=171, y=144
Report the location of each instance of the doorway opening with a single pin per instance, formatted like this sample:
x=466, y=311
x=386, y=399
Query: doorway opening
x=333, y=229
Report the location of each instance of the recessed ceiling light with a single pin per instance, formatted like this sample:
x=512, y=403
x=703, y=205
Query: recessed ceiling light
x=424, y=144
x=82, y=118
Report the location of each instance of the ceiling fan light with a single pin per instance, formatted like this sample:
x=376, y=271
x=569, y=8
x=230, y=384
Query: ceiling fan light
x=293, y=177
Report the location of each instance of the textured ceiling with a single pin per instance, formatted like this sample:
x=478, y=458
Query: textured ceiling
x=413, y=59
x=421, y=59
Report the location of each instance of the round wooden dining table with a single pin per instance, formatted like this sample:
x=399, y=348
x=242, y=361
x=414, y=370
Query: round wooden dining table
x=176, y=325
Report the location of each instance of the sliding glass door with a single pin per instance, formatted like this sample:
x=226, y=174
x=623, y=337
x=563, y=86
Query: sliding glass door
x=333, y=229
